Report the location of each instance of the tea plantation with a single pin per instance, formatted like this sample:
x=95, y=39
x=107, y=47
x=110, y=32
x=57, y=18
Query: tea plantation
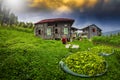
x=24, y=56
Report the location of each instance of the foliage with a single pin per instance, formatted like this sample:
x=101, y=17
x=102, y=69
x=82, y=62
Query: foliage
x=111, y=40
x=117, y=52
x=7, y=18
x=102, y=49
x=10, y=19
x=25, y=25
x=21, y=29
x=86, y=63
x=23, y=56
x=84, y=45
x=26, y=57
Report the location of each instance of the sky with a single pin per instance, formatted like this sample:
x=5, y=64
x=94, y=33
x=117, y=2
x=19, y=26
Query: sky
x=104, y=13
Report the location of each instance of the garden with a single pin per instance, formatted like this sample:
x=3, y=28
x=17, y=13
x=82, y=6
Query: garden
x=24, y=56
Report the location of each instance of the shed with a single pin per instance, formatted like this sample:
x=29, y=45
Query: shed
x=90, y=31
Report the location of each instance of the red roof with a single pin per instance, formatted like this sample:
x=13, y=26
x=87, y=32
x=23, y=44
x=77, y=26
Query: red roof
x=55, y=20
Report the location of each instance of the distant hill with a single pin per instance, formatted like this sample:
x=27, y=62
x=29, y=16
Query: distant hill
x=111, y=32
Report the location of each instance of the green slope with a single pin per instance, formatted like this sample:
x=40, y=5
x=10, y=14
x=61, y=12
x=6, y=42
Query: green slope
x=24, y=56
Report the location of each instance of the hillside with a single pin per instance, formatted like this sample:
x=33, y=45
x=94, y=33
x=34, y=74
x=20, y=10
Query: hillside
x=24, y=56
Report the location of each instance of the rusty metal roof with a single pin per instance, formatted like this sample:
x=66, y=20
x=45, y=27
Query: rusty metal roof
x=55, y=20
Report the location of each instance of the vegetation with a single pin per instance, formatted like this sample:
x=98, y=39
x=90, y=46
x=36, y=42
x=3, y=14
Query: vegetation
x=6, y=17
x=84, y=45
x=10, y=19
x=24, y=56
x=110, y=40
x=100, y=49
x=86, y=63
x=25, y=25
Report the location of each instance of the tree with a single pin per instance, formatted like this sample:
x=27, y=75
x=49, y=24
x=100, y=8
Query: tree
x=6, y=17
x=1, y=12
x=30, y=25
x=12, y=19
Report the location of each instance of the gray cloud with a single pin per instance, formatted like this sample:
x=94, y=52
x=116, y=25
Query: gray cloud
x=104, y=13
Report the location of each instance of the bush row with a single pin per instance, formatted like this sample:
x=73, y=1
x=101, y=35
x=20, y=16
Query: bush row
x=110, y=40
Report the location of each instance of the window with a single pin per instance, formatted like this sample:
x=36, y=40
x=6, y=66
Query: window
x=93, y=29
x=50, y=24
x=65, y=30
x=56, y=25
x=39, y=32
x=48, y=31
x=56, y=31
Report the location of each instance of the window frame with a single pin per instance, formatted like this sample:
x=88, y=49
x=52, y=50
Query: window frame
x=49, y=31
x=66, y=30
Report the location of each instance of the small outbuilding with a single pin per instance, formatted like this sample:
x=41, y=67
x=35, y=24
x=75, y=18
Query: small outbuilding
x=54, y=28
x=90, y=31
x=74, y=32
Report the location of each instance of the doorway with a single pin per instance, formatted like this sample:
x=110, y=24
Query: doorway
x=57, y=33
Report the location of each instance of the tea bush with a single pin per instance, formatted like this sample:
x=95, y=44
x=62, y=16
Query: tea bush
x=110, y=40
x=86, y=63
x=24, y=56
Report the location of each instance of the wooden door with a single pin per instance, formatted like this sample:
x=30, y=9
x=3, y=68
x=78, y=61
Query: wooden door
x=57, y=32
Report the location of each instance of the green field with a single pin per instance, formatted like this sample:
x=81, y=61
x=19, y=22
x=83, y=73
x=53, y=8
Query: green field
x=24, y=56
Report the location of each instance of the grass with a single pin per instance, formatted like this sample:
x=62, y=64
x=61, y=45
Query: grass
x=113, y=40
x=26, y=57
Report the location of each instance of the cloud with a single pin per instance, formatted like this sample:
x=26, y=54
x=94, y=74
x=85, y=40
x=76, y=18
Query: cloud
x=83, y=9
x=105, y=13
x=91, y=3
x=14, y=5
x=57, y=5
x=49, y=4
x=106, y=1
x=94, y=7
x=63, y=10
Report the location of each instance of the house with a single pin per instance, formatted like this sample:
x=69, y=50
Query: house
x=74, y=32
x=53, y=28
x=90, y=31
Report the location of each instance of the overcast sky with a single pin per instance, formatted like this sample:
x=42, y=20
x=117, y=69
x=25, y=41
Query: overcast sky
x=104, y=13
